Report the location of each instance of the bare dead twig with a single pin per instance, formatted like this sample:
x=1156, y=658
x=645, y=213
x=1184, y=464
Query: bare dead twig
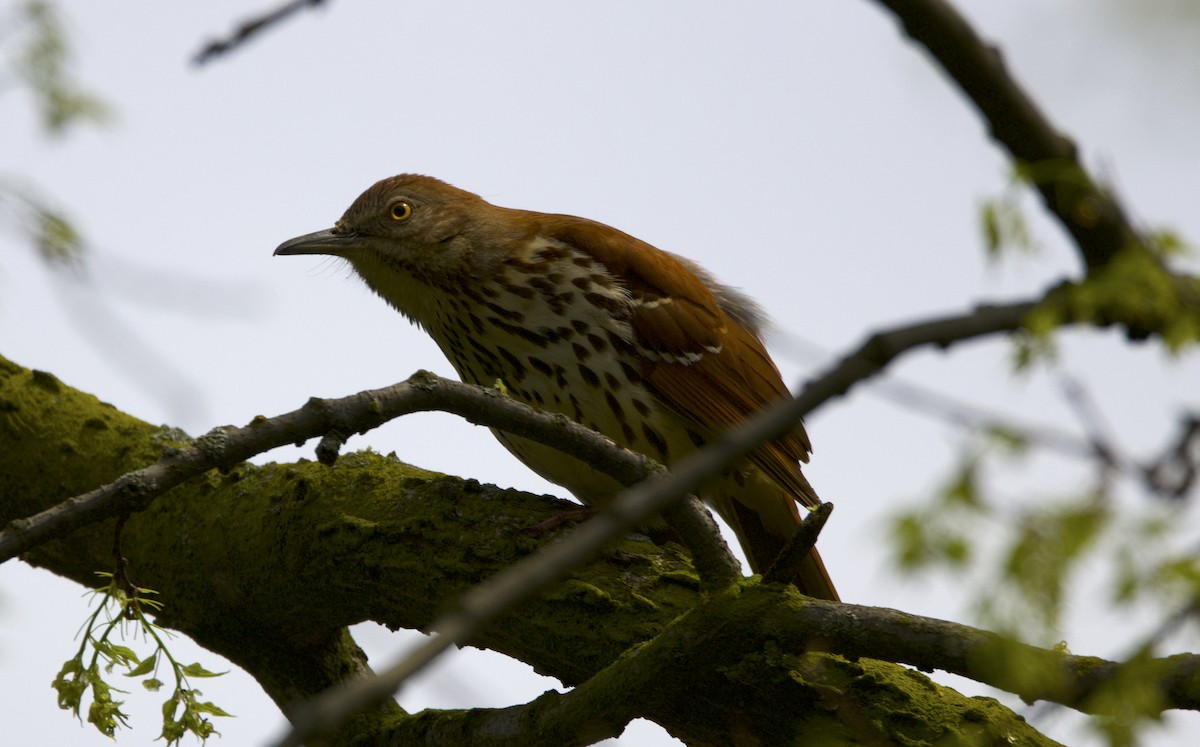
x=251, y=28
x=1174, y=474
x=785, y=567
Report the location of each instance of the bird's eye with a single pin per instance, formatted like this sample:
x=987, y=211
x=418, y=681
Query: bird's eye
x=400, y=211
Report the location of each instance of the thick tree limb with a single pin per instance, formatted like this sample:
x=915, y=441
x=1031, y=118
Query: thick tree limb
x=699, y=645
x=266, y=565
x=369, y=538
x=226, y=446
x=751, y=633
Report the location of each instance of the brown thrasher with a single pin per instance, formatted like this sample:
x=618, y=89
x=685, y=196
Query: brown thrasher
x=579, y=318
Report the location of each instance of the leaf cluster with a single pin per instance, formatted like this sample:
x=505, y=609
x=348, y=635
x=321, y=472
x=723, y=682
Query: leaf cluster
x=98, y=655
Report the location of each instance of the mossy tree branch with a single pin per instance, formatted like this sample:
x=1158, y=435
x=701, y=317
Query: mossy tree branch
x=267, y=565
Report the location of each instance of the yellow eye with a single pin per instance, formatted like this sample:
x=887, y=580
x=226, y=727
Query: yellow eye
x=400, y=211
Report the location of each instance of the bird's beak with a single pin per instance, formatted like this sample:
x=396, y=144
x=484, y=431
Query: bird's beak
x=321, y=242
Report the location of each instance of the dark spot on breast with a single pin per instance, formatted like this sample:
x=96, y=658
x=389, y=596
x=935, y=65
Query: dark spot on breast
x=542, y=366
x=589, y=376
x=612, y=381
x=608, y=303
x=656, y=440
x=515, y=368
x=477, y=322
x=580, y=351
x=576, y=411
x=485, y=356
x=631, y=373
x=581, y=283
x=509, y=314
x=481, y=371
x=597, y=342
x=696, y=439
x=552, y=253
x=517, y=331
x=613, y=405
x=560, y=301
x=520, y=290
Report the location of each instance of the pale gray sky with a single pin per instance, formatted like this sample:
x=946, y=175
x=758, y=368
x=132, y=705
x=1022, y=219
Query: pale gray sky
x=802, y=151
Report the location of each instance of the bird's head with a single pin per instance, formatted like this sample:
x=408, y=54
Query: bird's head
x=409, y=236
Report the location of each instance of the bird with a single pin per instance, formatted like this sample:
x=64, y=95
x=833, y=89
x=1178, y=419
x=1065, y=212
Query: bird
x=575, y=317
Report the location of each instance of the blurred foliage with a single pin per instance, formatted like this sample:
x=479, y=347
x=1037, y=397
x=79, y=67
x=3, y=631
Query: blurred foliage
x=52, y=234
x=42, y=63
x=99, y=654
x=1020, y=566
x=1137, y=289
x=1129, y=702
x=39, y=60
x=1002, y=220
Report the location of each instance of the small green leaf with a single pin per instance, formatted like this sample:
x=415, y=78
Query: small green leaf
x=991, y=229
x=116, y=653
x=212, y=709
x=195, y=670
x=146, y=667
x=1007, y=438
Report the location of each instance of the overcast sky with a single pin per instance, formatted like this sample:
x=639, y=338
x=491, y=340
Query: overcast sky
x=802, y=151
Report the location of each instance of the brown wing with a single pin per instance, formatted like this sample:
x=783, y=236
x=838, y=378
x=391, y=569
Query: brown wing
x=706, y=367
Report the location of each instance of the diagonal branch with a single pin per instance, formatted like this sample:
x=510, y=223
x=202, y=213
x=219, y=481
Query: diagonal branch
x=1095, y=220
x=534, y=573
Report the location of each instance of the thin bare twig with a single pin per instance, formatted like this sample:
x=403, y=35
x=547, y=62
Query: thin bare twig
x=1174, y=473
x=937, y=404
x=248, y=29
x=1088, y=412
x=785, y=567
